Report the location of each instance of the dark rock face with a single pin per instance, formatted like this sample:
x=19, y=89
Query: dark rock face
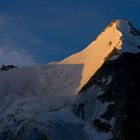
x=102, y=126
x=122, y=94
x=8, y=67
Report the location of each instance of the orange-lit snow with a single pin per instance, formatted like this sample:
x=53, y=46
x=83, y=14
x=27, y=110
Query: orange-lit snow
x=45, y=92
x=68, y=76
x=94, y=55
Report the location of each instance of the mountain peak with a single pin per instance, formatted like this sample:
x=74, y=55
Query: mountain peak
x=123, y=25
x=71, y=74
x=130, y=36
x=118, y=37
x=35, y=101
x=121, y=21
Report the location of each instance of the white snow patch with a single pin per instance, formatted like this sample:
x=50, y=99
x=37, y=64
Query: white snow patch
x=130, y=42
x=105, y=80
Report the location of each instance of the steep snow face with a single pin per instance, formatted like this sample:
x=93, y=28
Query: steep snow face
x=68, y=76
x=45, y=80
x=65, y=77
x=96, y=53
x=119, y=36
x=40, y=96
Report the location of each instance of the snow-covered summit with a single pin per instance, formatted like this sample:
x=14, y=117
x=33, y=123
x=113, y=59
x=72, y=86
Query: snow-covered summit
x=122, y=25
x=117, y=37
x=130, y=36
x=68, y=76
x=40, y=96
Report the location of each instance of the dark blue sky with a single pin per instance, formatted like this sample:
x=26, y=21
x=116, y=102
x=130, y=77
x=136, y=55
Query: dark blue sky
x=39, y=31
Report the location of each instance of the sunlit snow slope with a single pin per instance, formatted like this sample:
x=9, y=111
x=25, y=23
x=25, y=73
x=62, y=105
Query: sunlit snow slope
x=35, y=101
x=116, y=36
x=67, y=77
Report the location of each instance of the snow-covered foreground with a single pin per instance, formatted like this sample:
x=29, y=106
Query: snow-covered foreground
x=36, y=101
x=30, y=117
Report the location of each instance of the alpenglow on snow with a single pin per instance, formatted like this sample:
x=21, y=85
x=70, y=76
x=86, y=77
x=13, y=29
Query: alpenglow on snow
x=41, y=96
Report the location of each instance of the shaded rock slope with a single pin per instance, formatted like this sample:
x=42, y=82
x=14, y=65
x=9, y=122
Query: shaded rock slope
x=111, y=99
